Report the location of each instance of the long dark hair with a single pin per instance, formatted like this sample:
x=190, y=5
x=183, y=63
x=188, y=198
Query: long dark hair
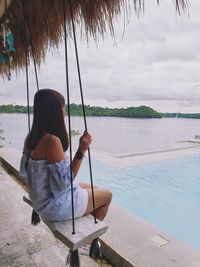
x=48, y=118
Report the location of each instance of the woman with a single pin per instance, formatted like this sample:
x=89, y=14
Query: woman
x=48, y=170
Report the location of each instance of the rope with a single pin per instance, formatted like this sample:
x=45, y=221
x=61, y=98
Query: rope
x=35, y=218
x=26, y=63
x=69, y=115
x=31, y=43
x=83, y=106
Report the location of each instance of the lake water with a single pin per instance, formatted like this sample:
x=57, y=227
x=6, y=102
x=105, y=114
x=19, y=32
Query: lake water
x=165, y=193
x=113, y=135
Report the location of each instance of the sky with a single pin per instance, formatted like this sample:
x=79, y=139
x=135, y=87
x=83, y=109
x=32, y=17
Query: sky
x=154, y=61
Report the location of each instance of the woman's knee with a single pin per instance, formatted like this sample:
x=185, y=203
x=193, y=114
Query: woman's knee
x=102, y=197
x=108, y=196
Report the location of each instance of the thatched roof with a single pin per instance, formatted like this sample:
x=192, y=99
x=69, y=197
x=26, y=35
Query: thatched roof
x=45, y=17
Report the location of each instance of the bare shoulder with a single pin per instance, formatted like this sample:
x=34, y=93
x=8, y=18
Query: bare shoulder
x=54, y=150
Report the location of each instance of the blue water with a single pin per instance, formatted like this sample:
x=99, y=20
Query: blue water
x=165, y=193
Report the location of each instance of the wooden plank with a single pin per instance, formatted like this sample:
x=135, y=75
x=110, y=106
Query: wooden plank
x=85, y=230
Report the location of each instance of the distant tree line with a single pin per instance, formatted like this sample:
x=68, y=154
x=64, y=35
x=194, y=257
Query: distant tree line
x=76, y=110
x=131, y=112
x=11, y=108
x=181, y=115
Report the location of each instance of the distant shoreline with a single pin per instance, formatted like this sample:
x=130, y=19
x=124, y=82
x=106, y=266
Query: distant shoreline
x=142, y=112
x=76, y=110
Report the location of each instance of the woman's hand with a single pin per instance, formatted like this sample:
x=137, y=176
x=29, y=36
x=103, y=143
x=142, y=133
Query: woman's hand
x=84, y=142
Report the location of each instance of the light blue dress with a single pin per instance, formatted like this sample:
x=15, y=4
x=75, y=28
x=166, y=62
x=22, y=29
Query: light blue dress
x=49, y=187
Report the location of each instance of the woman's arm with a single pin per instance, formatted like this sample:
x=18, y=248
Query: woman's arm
x=84, y=143
x=26, y=151
x=53, y=147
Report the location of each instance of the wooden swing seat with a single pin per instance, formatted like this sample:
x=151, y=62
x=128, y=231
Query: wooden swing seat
x=86, y=230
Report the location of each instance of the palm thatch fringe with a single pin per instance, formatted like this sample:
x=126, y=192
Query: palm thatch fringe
x=43, y=22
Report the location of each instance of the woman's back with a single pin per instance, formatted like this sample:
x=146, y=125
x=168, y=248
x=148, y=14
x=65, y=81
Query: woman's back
x=48, y=148
x=38, y=181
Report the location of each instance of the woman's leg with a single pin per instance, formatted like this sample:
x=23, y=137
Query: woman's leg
x=102, y=201
x=86, y=185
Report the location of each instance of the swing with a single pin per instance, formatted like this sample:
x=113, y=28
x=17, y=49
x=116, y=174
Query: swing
x=87, y=228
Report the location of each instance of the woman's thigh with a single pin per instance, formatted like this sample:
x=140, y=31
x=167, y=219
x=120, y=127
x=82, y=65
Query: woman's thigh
x=102, y=198
x=86, y=185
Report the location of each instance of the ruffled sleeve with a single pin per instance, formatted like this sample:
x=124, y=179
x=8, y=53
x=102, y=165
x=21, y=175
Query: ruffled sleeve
x=60, y=177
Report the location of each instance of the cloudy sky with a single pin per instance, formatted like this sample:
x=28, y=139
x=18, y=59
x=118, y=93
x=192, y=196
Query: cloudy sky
x=154, y=61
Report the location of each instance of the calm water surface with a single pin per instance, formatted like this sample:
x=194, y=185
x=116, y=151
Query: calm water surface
x=165, y=193
x=113, y=135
